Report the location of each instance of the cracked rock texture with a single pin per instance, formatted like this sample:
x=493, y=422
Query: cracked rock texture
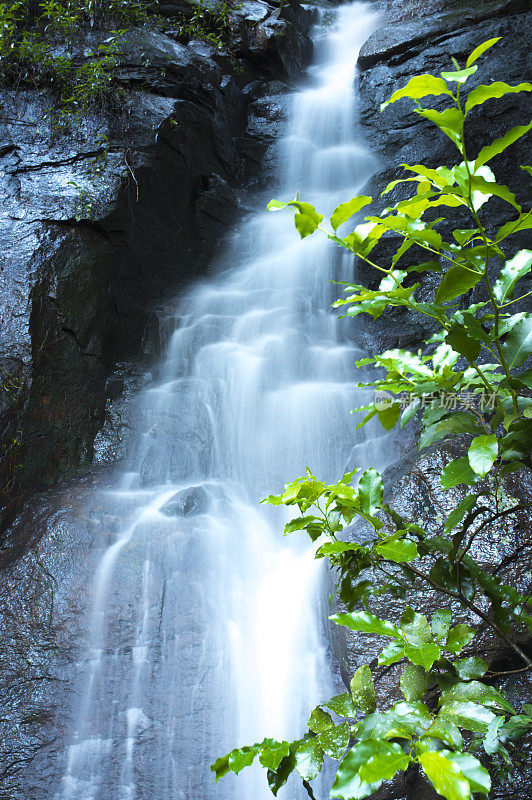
x=102, y=224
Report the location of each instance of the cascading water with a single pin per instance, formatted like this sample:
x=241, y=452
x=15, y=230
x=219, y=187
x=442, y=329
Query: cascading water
x=206, y=629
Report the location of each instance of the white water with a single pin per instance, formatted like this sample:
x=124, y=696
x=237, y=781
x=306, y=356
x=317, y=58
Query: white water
x=207, y=630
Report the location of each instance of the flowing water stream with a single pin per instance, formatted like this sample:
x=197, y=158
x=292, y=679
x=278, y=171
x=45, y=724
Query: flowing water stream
x=207, y=630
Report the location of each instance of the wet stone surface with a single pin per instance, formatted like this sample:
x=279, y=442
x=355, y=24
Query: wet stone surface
x=100, y=225
x=187, y=503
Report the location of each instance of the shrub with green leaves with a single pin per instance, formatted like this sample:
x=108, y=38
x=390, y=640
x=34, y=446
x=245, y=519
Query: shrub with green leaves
x=37, y=42
x=210, y=23
x=451, y=715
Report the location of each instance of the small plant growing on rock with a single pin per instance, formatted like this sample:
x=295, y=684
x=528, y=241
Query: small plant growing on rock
x=474, y=371
x=37, y=49
x=211, y=23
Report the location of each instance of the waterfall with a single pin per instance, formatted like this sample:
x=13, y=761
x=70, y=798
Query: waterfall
x=207, y=627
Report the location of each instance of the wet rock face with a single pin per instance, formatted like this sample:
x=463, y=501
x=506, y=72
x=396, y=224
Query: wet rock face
x=39, y=642
x=187, y=503
x=104, y=222
x=415, y=38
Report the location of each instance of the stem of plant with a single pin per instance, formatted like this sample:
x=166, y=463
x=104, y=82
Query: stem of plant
x=465, y=602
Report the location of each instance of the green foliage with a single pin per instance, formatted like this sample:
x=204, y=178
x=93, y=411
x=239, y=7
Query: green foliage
x=471, y=373
x=37, y=43
x=210, y=23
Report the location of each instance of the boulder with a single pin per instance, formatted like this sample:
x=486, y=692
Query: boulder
x=187, y=503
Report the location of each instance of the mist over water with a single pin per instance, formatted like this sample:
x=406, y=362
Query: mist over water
x=207, y=629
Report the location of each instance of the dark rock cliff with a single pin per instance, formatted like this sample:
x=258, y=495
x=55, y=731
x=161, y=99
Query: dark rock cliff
x=423, y=37
x=100, y=225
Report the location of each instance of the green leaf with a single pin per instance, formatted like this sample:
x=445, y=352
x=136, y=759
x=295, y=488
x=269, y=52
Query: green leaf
x=459, y=513
x=220, y=767
x=320, y=721
x=441, y=176
x=418, y=87
x=440, y=623
x=389, y=415
x=347, y=784
x=523, y=222
x=336, y=548
x=425, y=266
x=517, y=346
x=446, y=731
x=342, y=705
x=458, y=637
x=397, y=550
x=384, y=764
x=477, y=52
x=309, y=759
x=306, y=219
x=391, y=654
x=450, y=122
x=471, y=768
x=335, y=741
x=277, y=778
x=243, y=757
x=460, y=422
x=365, y=622
x=393, y=184
x=482, y=453
x=460, y=339
x=346, y=210
x=410, y=411
x=497, y=89
x=423, y=655
x=460, y=76
x=457, y=472
x=370, y=491
x=477, y=692
x=472, y=667
x=472, y=325
x=525, y=378
x=490, y=188
x=471, y=716
x=416, y=715
x=499, y=145
x=363, y=691
x=276, y=205
x=445, y=775
x=419, y=646
x=385, y=725
x=456, y=281
x=413, y=682
x=299, y=524
x=463, y=236
x=364, y=238
x=272, y=753
x=513, y=270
